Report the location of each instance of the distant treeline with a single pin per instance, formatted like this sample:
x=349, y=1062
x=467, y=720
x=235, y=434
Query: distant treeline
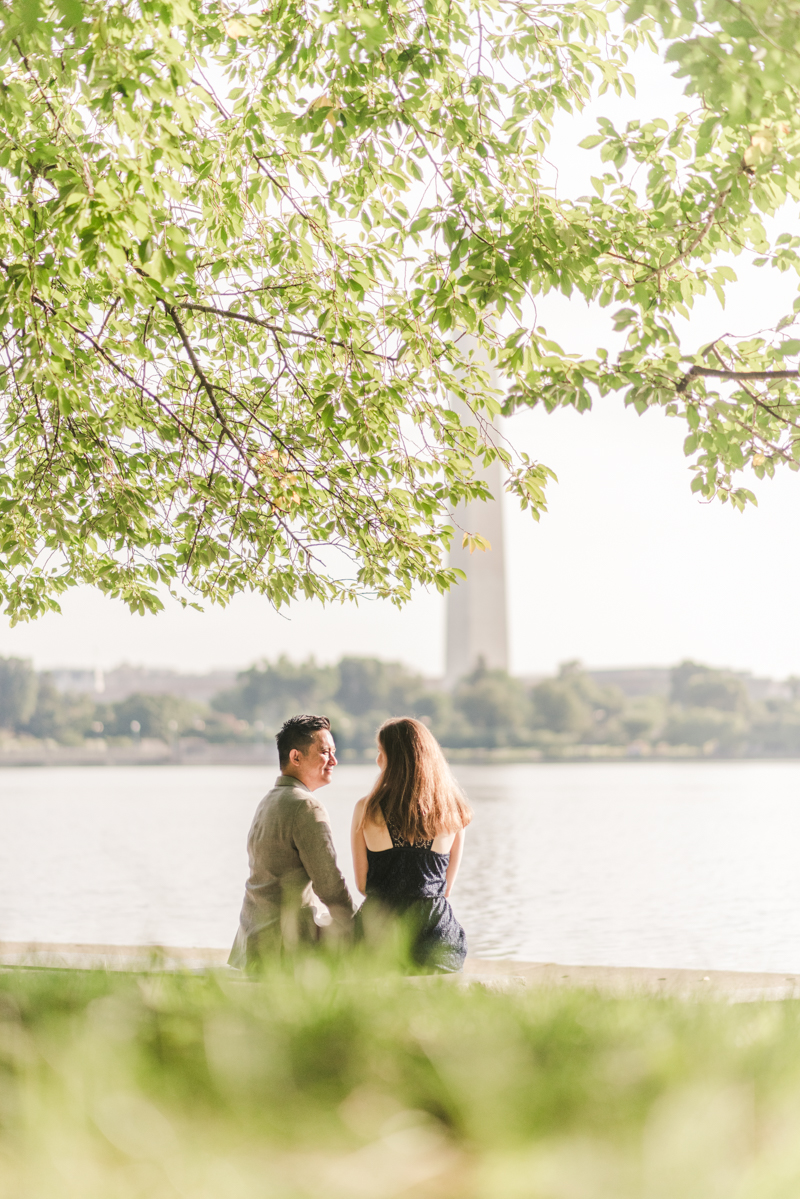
x=707, y=711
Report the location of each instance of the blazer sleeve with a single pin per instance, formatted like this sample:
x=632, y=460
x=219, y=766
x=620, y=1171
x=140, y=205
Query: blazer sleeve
x=314, y=842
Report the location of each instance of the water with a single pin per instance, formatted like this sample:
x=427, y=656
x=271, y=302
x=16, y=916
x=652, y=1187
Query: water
x=674, y=864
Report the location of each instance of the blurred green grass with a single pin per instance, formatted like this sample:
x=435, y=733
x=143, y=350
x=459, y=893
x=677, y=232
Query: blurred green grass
x=324, y=1078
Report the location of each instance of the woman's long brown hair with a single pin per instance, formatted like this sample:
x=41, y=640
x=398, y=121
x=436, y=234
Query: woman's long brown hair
x=416, y=793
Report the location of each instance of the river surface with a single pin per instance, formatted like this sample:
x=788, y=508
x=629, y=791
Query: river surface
x=674, y=864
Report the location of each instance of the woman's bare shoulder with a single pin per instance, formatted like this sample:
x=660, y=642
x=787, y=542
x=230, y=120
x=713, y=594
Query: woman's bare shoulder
x=358, y=813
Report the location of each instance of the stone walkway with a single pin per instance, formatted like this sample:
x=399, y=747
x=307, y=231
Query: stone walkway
x=496, y=974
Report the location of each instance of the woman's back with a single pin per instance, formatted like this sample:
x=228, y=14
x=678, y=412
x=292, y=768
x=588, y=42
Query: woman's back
x=380, y=837
x=400, y=871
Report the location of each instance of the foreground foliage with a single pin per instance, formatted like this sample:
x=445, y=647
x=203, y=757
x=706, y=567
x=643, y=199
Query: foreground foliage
x=239, y=250
x=309, y=1084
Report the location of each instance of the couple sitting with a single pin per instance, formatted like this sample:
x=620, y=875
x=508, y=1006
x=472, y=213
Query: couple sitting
x=407, y=841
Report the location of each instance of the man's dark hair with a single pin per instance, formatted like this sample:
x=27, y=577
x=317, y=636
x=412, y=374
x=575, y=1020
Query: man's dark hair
x=297, y=733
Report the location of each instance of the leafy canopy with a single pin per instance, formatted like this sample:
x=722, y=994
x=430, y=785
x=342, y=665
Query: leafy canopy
x=240, y=250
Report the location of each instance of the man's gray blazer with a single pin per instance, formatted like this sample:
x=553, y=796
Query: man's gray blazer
x=292, y=865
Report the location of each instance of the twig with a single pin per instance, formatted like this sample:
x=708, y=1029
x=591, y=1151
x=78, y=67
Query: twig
x=85, y=172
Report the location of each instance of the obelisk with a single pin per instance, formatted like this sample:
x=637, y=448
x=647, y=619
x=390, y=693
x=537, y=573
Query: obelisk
x=477, y=626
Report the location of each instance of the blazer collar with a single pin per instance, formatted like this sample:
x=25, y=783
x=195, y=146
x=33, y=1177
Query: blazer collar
x=288, y=780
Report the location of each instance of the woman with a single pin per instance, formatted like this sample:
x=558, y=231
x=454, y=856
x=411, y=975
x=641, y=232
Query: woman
x=408, y=838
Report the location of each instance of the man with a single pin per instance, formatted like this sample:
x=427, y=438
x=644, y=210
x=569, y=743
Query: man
x=290, y=847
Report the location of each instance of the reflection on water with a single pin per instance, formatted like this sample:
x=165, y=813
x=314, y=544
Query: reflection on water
x=674, y=864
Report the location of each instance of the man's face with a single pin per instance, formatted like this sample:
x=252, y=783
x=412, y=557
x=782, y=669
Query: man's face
x=315, y=766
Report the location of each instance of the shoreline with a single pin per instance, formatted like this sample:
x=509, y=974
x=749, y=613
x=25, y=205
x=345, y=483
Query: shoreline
x=500, y=974
x=259, y=755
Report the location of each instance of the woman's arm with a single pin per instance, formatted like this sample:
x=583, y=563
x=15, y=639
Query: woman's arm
x=359, y=848
x=456, y=850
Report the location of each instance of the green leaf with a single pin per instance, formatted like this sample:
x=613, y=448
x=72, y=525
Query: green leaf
x=635, y=11
x=30, y=13
x=72, y=11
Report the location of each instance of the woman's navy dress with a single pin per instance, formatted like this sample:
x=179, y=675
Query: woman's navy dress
x=409, y=881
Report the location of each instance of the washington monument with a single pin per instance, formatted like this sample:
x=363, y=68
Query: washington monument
x=476, y=608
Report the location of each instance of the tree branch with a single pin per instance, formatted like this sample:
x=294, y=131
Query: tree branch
x=254, y=320
x=709, y=372
x=209, y=390
x=757, y=401
x=201, y=375
x=721, y=198
x=85, y=172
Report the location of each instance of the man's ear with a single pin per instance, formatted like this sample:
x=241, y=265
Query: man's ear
x=294, y=756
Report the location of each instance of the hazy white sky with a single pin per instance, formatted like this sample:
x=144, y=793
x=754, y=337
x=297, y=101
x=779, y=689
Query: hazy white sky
x=627, y=568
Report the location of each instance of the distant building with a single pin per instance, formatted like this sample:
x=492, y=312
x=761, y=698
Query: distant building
x=78, y=681
x=657, y=680
x=633, y=681
x=761, y=689
x=477, y=621
x=122, y=681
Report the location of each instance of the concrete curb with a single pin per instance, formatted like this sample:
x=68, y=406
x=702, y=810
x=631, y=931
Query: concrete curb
x=735, y=986
x=500, y=974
